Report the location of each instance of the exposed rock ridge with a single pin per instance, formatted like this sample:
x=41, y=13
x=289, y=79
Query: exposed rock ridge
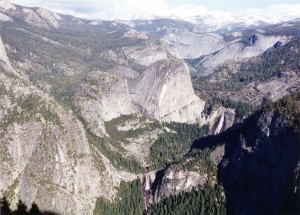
x=41, y=17
x=237, y=51
x=165, y=92
x=44, y=150
x=170, y=181
x=102, y=97
x=3, y=56
x=220, y=119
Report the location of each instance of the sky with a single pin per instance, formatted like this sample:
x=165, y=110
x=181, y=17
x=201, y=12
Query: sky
x=274, y=10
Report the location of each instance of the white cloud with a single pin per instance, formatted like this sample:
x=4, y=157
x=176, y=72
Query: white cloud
x=133, y=9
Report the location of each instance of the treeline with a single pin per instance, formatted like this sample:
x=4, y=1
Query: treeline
x=208, y=201
x=22, y=209
x=129, y=201
x=172, y=146
x=117, y=159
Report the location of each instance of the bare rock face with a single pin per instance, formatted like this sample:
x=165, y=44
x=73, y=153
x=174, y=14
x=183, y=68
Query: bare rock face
x=170, y=181
x=124, y=72
x=194, y=44
x=133, y=34
x=45, y=155
x=236, y=51
x=102, y=97
x=146, y=55
x=41, y=17
x=44, y=151
x=165, y=92
x=220, y=119
x=4, y=61
x=217, y=154
x=279, y=87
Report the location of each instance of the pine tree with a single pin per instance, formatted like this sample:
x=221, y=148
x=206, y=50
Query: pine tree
x=5, y=209
x=34, y=210
x=21, y=208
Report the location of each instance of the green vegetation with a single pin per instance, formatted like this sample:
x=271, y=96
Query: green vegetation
x=271, y=64
x=172, y=146
x=68, y=56
x=241, y=108
x=111, y=146
x=289, y=106
x=209, y=201
x=200, y=161
x=26, y=109
x=116, y=158
x=114, y=133
x=129, y=200
x=218, y=87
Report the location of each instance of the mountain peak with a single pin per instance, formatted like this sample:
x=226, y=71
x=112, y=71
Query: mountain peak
x=6, y=5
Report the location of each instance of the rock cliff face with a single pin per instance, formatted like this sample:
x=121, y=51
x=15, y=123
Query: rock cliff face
x=165, y=92
x=168, y=182
x=258, y=165
x=220, y=119
x=259, y=173
x=102, y=97
x=38, y=17
x=45, y=153
x=41, y=18
x=190, y=40
x=195, y=44
x=3, y=56
x=236, y=50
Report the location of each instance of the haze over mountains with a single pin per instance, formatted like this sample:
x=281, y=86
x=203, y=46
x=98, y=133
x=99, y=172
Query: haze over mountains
x=87, y=107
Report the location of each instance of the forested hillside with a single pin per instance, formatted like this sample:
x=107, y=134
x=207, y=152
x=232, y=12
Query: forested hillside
x=243, y=86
